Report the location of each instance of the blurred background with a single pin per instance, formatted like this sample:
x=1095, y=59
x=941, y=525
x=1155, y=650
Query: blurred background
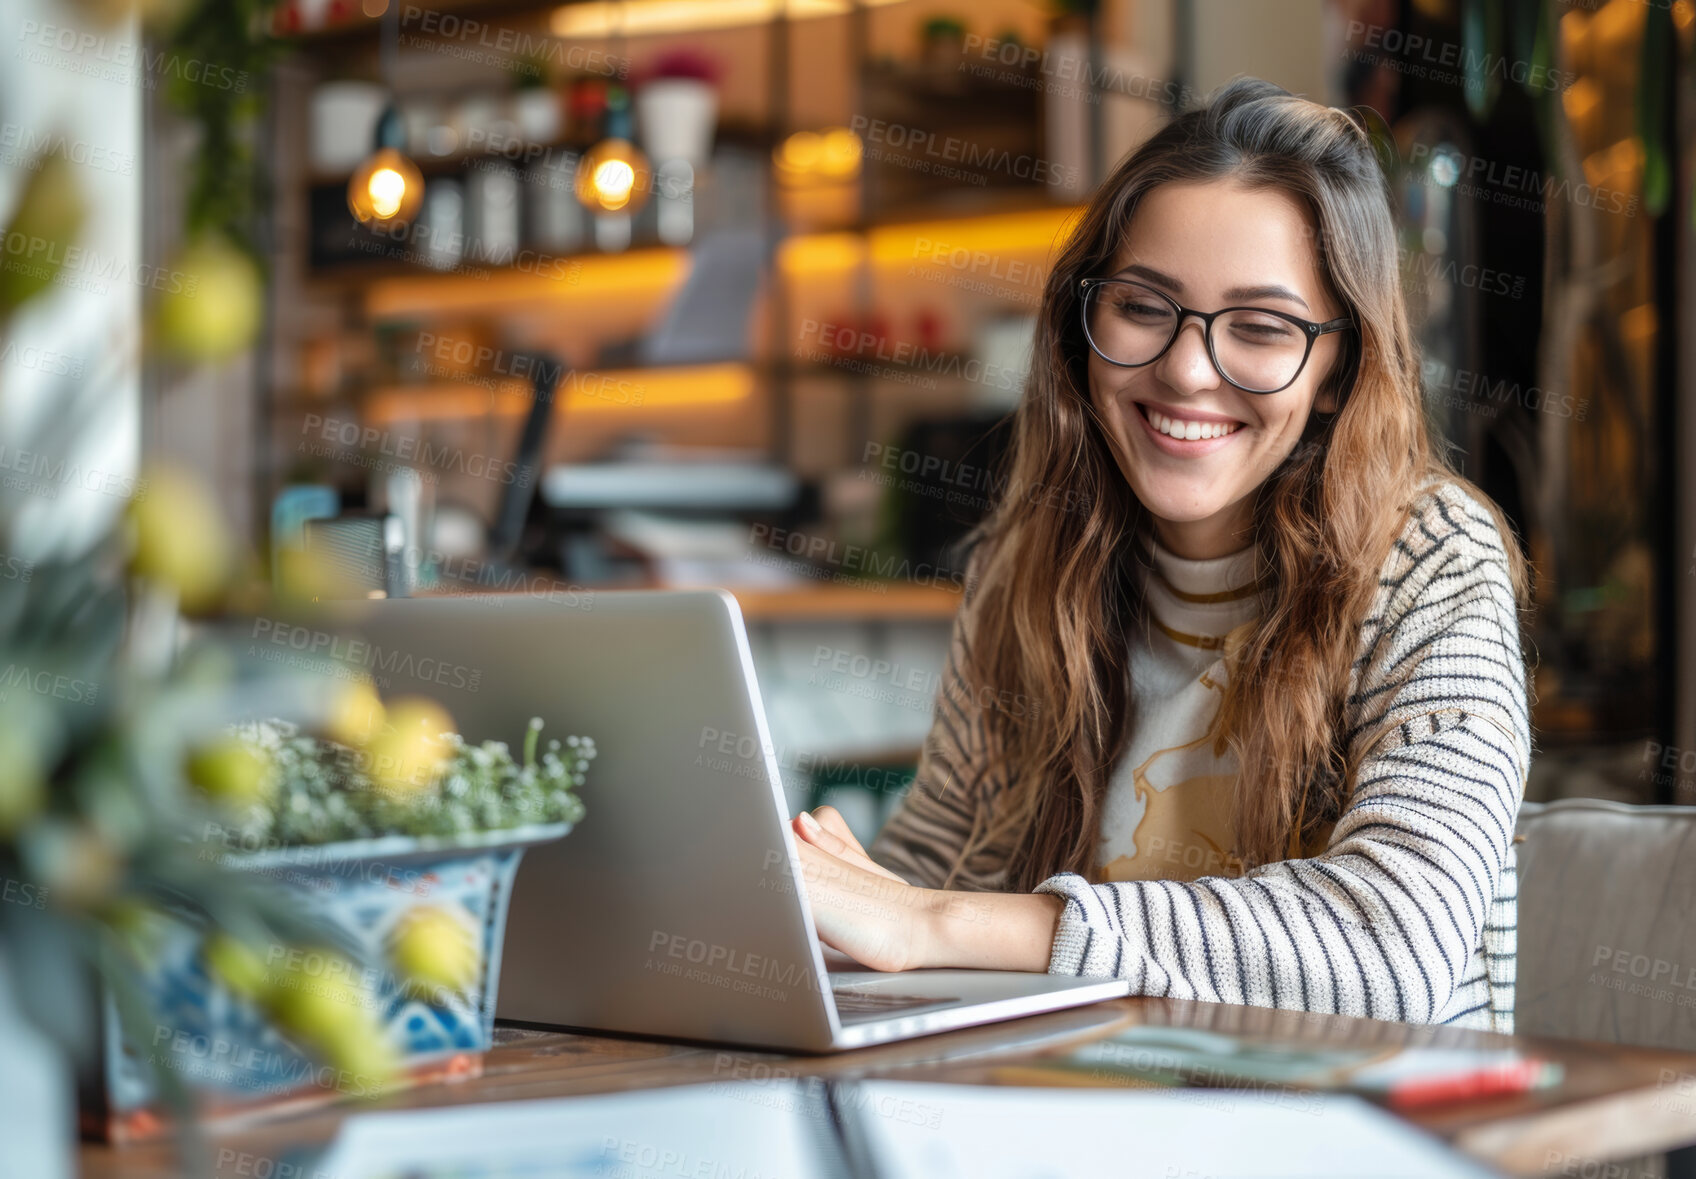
x=551, y=298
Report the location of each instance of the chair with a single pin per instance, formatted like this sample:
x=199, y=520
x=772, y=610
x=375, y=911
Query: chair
x=1607, y=929
x=1607, y=922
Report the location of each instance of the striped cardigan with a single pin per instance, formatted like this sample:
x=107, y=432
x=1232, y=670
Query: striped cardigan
x=1409, y=913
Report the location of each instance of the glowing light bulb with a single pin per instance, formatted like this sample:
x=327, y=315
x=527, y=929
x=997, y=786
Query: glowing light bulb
x=801, y=150
x=841, y=154
x=614, y=177
x=810, y=157
x=613, y=181
x=387, y=188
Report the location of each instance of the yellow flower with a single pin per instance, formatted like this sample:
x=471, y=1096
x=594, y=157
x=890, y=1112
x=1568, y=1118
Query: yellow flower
x=323, y=1001
x=48, y=216
x=211, y=311
x=180, y=538
x=356, y=714
x=233, y=771
x=303, y=576
x=238, y=965
x=434, y=948
x=408, y=754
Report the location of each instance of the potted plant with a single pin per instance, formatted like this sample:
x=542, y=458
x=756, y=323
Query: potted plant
x=677, y=106
x=399, y=847
x=942, y=44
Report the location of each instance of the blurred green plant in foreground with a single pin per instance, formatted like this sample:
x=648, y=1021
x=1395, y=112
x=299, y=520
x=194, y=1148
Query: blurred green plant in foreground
x=115, y=747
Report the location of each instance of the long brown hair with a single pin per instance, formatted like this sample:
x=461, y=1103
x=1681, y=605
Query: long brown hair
x=1055, y=587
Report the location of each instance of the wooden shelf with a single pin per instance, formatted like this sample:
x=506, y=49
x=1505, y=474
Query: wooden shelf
x=648, y=273
x=634, y=391
x=396, y=290
x=898, y=602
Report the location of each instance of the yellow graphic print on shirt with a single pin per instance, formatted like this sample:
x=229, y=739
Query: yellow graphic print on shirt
x=1184, y=793
x=1185, y=829
x=1167, y=811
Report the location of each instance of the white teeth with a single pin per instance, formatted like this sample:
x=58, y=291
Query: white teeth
x=1191, y=431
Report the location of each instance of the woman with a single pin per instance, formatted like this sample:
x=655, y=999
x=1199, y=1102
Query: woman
x=1251, y=723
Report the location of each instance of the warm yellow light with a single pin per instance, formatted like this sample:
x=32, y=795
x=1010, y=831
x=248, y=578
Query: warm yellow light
x=386, y=188
x=1038, y=234
x=600, y=284
x=613, y=181
x=613, y=177
x=821, y=253
x=659, y=388
x=597, y=282
x=801, y=151
x=809, y=156
x=633, y=18
x=614, y=391
x=841, y=157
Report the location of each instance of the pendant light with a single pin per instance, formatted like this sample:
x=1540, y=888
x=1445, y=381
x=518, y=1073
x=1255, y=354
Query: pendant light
x=614, y=176
x=387, y=188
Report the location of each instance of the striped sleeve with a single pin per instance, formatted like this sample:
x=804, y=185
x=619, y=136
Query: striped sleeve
x=1390, y=921
x=939, y=814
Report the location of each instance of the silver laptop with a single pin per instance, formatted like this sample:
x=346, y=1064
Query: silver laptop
x=676, y=907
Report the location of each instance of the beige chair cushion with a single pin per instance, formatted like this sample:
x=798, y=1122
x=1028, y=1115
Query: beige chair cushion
x=1607, y=922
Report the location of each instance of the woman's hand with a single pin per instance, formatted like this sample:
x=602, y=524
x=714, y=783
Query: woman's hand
x=876, y=918
x=827, y=830
x=859, y=907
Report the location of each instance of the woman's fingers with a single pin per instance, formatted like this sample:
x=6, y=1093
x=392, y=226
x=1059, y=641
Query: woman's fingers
x=814, y=831
x=832, y=821
x=870, y=919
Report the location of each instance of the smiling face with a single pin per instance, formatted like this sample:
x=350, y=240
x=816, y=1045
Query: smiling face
x=1193, y=446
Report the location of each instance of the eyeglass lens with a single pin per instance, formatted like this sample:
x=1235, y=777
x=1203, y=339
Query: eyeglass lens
x=1131, y=324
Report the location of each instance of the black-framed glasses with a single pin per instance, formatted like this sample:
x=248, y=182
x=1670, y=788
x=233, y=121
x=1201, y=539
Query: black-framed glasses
x=1257, y=349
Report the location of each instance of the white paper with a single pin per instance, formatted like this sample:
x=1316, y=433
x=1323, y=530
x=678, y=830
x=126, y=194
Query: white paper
x=936, y=1131
x=910, y=1130
x=729, y=1130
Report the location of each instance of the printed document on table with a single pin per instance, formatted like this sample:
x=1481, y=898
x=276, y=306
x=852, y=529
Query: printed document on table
x=915, y=1130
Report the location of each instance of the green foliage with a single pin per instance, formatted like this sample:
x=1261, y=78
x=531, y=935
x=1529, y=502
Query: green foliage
x=217, y=60
x=325, y=792
x=46, y=222
x=1654, y=86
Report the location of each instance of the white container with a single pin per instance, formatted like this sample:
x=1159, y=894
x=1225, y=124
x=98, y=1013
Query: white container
x=556, y=219
x=442, y=226
x=344, y=119
x=677, y=117
x=492, y=212
x=537, y=113
x=477, y=119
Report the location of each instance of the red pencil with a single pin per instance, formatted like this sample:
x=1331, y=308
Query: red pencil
x=1519, y=1077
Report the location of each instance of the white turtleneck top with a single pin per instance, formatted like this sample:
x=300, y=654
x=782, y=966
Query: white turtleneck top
x=1167, y=814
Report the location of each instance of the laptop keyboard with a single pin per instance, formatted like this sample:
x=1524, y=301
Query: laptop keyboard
x=859, y=1001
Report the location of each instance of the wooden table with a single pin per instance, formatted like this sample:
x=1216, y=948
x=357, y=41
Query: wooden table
x=1614, y=1102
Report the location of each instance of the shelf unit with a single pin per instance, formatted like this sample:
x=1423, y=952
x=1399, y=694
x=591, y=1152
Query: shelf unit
x=873, y=268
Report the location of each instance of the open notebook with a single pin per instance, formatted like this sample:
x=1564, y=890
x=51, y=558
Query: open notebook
x=892, y=1130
